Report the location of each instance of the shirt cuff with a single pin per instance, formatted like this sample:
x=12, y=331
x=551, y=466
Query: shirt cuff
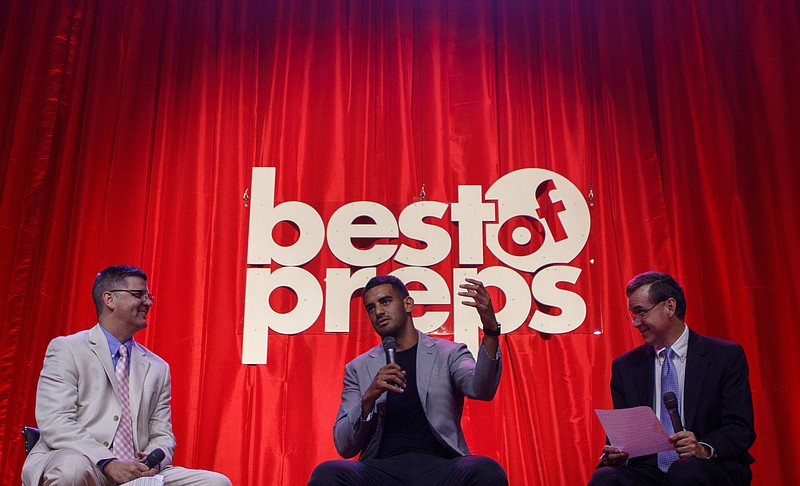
x=713, y=454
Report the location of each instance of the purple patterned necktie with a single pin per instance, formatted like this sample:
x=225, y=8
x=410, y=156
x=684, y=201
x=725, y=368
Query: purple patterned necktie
x=123, y=440
x=669, y=383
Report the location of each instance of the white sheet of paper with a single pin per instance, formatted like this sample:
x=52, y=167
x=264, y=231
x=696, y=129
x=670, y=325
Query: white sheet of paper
x=636, y=430
x=157, y=480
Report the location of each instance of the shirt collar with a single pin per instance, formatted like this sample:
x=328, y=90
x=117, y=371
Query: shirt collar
x=114, y=344
x=679, y=347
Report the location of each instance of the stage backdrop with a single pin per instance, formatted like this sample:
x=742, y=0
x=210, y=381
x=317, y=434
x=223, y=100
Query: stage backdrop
x=129, y=130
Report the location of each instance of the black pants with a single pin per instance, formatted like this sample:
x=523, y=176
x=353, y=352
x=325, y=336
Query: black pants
x=416, y=469
x=683, y=472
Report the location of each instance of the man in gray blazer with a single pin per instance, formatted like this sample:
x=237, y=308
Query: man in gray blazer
x=404, y=418
x=79, y=407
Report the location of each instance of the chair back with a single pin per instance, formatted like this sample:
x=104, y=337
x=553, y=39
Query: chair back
x=31, y=435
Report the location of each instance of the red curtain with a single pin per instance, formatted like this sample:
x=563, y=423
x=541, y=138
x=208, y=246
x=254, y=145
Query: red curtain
x=128, y=130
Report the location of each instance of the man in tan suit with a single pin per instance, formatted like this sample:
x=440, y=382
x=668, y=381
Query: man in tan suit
x=78, y=406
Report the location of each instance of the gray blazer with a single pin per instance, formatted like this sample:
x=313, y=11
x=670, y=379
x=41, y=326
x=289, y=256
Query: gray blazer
x=77, y=406
x=446, y=373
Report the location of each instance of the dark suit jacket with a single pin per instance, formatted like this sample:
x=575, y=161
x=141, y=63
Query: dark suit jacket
x=446, y=373
x=718, y=406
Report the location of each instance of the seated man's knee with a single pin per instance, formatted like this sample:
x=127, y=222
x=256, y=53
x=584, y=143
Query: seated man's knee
x=604, y=476
x=217, y=479
x=689, y=470
x=484, y=470
x=69, y=467
x=182, y=475
x=331, y=472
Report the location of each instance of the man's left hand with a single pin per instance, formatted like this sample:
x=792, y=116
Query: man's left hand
x=686, y=445
x=481, y=300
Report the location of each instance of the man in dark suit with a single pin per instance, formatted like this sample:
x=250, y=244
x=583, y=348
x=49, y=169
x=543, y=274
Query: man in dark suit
x=713, y=393
x=404, y=418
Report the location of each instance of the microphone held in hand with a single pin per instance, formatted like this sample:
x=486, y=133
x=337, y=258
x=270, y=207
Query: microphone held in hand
x=154, y=458
x=671, y=404
x=390, y=346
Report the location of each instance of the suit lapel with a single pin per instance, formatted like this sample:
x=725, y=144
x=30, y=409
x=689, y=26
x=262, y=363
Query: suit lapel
x=697, y=361
x=645, y=376
x=99, y=346
x=373, y=365
x=426, y=357
x=138, y=371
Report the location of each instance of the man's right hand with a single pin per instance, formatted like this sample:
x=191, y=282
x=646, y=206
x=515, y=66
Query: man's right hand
x=389, y=378
x=124, y=471
x=613, y=456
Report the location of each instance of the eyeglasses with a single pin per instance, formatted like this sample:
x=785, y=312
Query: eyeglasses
x=634, y=316
x=138, y=293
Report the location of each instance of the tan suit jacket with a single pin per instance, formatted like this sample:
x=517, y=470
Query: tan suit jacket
x=77, y=406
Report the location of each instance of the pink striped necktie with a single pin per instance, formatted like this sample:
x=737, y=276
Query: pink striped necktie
x=123, y=440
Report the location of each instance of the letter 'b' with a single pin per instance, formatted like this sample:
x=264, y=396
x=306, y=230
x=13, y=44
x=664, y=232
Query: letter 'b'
x=264, y=215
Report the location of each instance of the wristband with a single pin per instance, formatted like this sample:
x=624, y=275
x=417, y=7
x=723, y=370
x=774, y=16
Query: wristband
x=494, y=333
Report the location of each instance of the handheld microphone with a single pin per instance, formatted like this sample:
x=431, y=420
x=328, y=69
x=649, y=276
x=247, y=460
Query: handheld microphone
x=390, y=346
x=671, y=404
x=154, y=458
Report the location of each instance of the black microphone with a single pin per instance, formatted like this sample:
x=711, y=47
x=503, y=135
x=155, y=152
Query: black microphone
x=390, y=346
x=671, y=404
x=154, y=458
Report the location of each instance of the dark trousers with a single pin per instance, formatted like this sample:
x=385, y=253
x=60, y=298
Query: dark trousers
x=416, y=469
x=687, y=471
